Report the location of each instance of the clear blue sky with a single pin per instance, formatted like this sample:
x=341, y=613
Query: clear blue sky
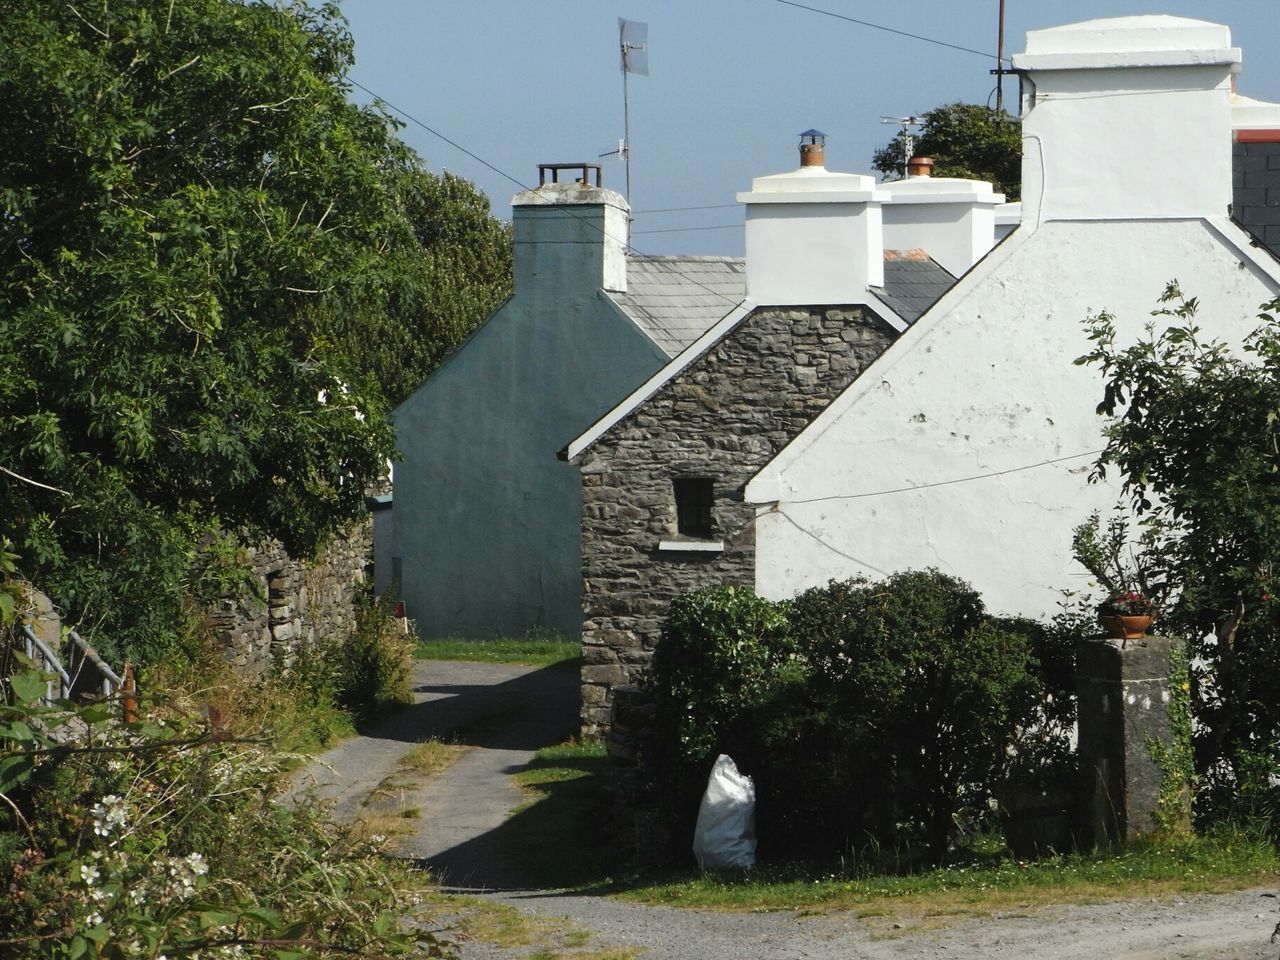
x=523, y=82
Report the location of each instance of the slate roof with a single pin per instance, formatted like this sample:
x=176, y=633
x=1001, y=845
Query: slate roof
x=912, y=282
x=677, y=299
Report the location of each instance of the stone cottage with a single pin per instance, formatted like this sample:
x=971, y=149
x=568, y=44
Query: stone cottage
x=964, y=441
x=663, y=472
x=486, y=525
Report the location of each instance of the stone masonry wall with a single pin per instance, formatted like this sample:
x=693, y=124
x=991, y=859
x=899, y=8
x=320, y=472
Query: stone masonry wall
x=724, y=417
x=294, y=601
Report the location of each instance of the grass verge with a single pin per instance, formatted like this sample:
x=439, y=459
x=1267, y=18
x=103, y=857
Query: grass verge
x=535, y=649
x=987, y=882
x=566, y=784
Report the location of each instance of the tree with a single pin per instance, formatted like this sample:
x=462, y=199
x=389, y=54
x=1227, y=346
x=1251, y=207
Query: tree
x=196, y=228
x=964, y=140
x=453, y=278
x=1195, y=437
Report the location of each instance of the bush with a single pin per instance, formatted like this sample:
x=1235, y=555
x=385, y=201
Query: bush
x=724, y=657
x=866, y=712
x=364, y=674
x=163, y=838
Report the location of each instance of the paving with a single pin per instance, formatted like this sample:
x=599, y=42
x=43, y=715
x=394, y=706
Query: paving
x=505, y=713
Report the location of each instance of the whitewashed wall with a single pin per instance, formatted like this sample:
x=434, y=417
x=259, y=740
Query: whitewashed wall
x=985, y=383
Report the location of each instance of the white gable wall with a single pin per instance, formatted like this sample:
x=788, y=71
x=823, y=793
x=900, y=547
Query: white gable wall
x=985, y=383
x=967, y=445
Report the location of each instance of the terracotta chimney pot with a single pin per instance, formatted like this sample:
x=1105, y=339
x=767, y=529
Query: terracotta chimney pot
x=920, y=167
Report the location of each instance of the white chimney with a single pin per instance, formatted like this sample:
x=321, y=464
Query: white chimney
x=1127, y=118
x=571, y=233
x=951, y=219
x=812, y=236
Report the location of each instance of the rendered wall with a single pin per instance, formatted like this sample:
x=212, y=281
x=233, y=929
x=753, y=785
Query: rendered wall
x=486, y=516
x=983, y=384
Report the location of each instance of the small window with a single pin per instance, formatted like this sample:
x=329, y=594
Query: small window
x=693, y=506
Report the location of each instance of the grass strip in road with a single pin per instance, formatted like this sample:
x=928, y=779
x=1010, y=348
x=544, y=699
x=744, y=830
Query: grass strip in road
x=535, y=649
x=432, y=756
x=558, y=833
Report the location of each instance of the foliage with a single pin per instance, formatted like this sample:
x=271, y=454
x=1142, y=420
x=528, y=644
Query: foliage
x=1127, y=604
x=964, y=140
x=1175, y=757
x=363, y=674
x=1193, y=436
x=452, y=278
x=722, y=652
x=864, y=711
x=926, y=691
x=203, y=249
x=162, y=838
x=1119, y=562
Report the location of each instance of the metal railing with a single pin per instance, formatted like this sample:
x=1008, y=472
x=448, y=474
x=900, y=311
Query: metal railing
x=86, y=667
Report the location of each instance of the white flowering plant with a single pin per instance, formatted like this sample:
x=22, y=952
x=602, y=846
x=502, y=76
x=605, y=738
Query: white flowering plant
x=161, y=839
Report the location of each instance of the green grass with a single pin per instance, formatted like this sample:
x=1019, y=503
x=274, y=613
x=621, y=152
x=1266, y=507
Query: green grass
x=552, y=832
x=536, y=649
x=987, y=881
x=566, y=787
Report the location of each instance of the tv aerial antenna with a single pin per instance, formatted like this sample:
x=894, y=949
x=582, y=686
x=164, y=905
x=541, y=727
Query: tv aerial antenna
x=908, y=136
x=633, y=44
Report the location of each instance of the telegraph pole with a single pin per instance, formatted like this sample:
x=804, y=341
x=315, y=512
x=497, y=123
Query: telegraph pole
x=1000, y=71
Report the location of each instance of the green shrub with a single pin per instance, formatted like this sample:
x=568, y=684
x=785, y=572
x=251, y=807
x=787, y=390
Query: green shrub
x=717, y=663
x=867, y=713
x=363, y=674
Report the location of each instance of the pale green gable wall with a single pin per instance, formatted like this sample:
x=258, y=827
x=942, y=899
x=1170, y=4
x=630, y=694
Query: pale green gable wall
x=487, y=518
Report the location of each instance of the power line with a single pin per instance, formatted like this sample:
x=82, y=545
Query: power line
x=879, y=26
x=457, y=146
x=722, y=226
x=947, y=483
x=521, y=184
x=710, y=206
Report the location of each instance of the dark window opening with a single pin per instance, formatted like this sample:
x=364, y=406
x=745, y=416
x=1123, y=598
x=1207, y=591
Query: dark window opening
x=693, y=506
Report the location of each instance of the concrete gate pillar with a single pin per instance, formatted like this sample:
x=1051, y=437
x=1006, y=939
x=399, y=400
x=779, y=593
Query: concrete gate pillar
x=1129, y=738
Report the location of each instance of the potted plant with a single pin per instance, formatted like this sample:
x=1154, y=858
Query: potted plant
x=1126, y=615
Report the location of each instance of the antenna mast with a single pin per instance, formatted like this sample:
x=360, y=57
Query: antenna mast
x=633, y=42
x=908, y=138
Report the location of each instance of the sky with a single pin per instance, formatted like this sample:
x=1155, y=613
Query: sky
x=731, y=84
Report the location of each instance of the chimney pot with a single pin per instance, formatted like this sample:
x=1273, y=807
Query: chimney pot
x=920, y=167
x=812, y=148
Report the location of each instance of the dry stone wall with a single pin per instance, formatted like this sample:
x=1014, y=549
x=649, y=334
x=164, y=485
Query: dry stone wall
x=724, y=417
x=294, y=602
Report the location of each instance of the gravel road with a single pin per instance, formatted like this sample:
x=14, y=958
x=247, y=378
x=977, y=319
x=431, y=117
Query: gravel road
x=464, y=808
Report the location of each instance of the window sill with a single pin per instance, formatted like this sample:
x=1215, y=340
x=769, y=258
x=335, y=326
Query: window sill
x=691, y=546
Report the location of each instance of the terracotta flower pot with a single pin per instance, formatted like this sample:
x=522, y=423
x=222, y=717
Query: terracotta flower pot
x=1125, y=627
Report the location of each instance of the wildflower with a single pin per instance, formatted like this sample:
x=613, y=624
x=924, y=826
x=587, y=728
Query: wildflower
x=109, y=814
x=89, y=874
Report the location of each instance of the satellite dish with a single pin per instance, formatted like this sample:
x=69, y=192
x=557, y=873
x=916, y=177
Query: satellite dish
x=633, y=38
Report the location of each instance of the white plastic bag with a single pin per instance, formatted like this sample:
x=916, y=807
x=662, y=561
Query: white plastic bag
x=725, y=837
